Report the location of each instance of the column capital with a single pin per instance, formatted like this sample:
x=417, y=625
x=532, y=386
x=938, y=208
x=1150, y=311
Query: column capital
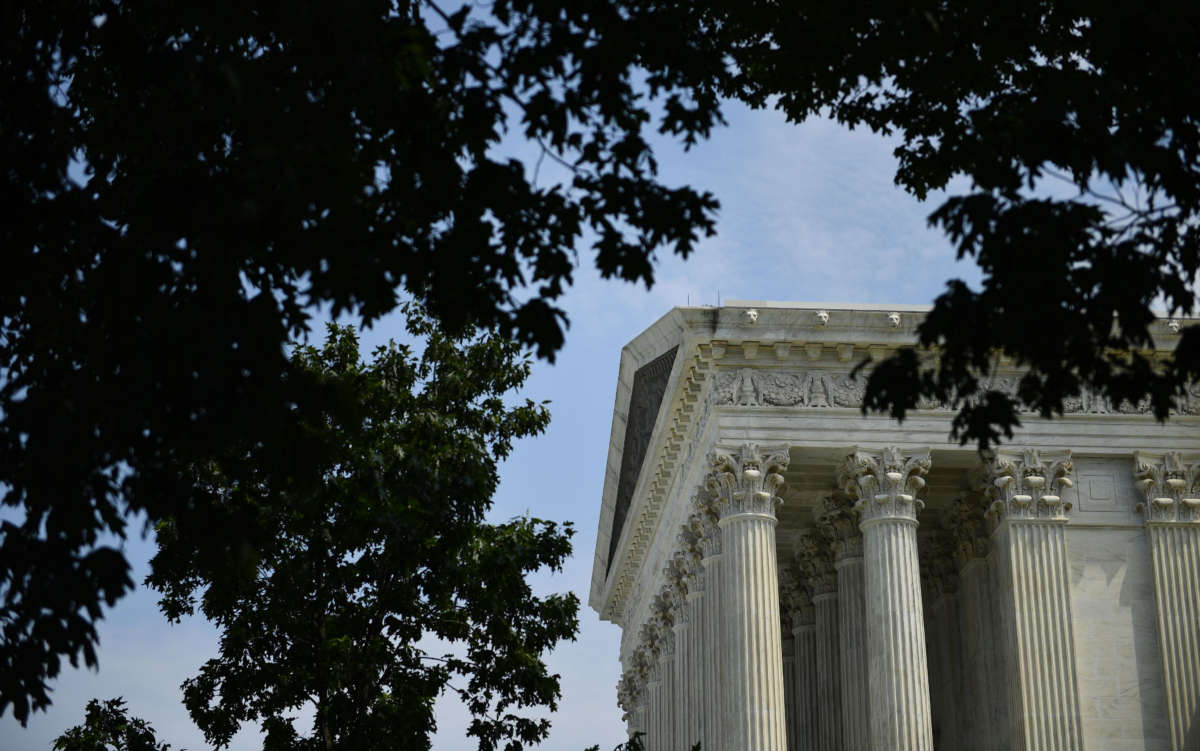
x=639, y=670
x=1024, y=485
x=627, y=696
x=837, y=521
x=675, y=591
x=651, y=637
x=666, y=641
x=794, y=600
x=745, y=479
x=1171, y=484
x=939, y=574
x=704, y=522
x=689, y=545
x=885, y=483
x=964, y=522
x=814, y=560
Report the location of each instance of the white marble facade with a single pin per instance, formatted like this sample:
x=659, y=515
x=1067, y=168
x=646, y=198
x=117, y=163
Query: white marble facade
x=790, y=574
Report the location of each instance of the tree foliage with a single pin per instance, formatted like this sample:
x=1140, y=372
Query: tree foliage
x=185, y=181
x=189, y=178
x=376, y=583
x=107, y=726
x=1076, y=126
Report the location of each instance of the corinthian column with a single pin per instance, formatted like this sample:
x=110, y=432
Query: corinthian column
x=651, y=644
x=1031, y=550
x=689, y=540
x=789, y=681
x=803, y=731
x=986, y=696
x=746, y=480
x=838, y=523
x=885, y=485
x=669, y=688
x=816, y=565
x=713, y=679
x=681, y=620
x=1171, y=485
x=636, y=683
x=943, y=639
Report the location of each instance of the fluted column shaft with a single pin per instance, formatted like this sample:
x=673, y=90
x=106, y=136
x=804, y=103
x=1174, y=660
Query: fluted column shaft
x=1034, y=598
x=852, y=650
x=1175, y=549
x=984, y=706
x=829, y=693
x=753, y=641
x=789, y=690
x=838, y=523
x=666, y=691
x=949, y=700
x=714, y=643
x=987, y=697
x=639, y=725
x=695, y=686
x=899, y=668
x=681, y=682
x=807, y=718
x=1171, y=484
x=746, y=480
x=654, y=708
x=1044, y=699
x=885, y=485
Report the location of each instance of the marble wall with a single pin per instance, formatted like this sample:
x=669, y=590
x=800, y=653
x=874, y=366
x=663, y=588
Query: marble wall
x=1117, y=657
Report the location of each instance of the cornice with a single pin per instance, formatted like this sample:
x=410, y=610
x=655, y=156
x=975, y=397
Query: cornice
x=806, y=349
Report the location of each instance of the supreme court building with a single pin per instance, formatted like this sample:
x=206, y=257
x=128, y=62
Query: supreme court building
x=789, y=574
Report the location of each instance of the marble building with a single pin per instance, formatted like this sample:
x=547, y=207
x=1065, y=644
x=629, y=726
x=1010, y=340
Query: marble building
x=789, y=574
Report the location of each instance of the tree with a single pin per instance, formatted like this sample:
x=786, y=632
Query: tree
x=342, y=158
x=1076, y=125
x=377, y=583
x=108, y=726
x=187, y=182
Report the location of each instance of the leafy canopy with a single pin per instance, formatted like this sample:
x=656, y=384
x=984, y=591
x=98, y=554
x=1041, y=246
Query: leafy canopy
x=376, y=583
x=1074, y=123
x=108, y=726
x=188, y=180
x=242, y=161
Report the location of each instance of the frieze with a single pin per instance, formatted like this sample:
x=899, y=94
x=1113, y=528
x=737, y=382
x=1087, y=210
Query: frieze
x=825, y=389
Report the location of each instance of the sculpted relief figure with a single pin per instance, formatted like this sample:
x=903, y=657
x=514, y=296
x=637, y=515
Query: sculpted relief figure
x=821, y=389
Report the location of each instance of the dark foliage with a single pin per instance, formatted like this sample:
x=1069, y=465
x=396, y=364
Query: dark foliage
x=108, y=727
x=1078, y=128
x=181, y=181
x=376, y=584
x=240, y=161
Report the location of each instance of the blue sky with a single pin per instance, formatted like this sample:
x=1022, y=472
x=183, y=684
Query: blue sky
x=809, y=213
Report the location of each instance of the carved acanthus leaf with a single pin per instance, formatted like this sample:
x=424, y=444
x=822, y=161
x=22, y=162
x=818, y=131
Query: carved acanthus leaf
x=939, y=574
x=1171, y=485
x=746, y=479
x=964, y=521
x=794, y=599
x=837, y=521
x=814, y=563
x=1028, y=486
x=707, y=515
x=885, y=483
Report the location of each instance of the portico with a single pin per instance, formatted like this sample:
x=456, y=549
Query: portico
x=790, y=574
